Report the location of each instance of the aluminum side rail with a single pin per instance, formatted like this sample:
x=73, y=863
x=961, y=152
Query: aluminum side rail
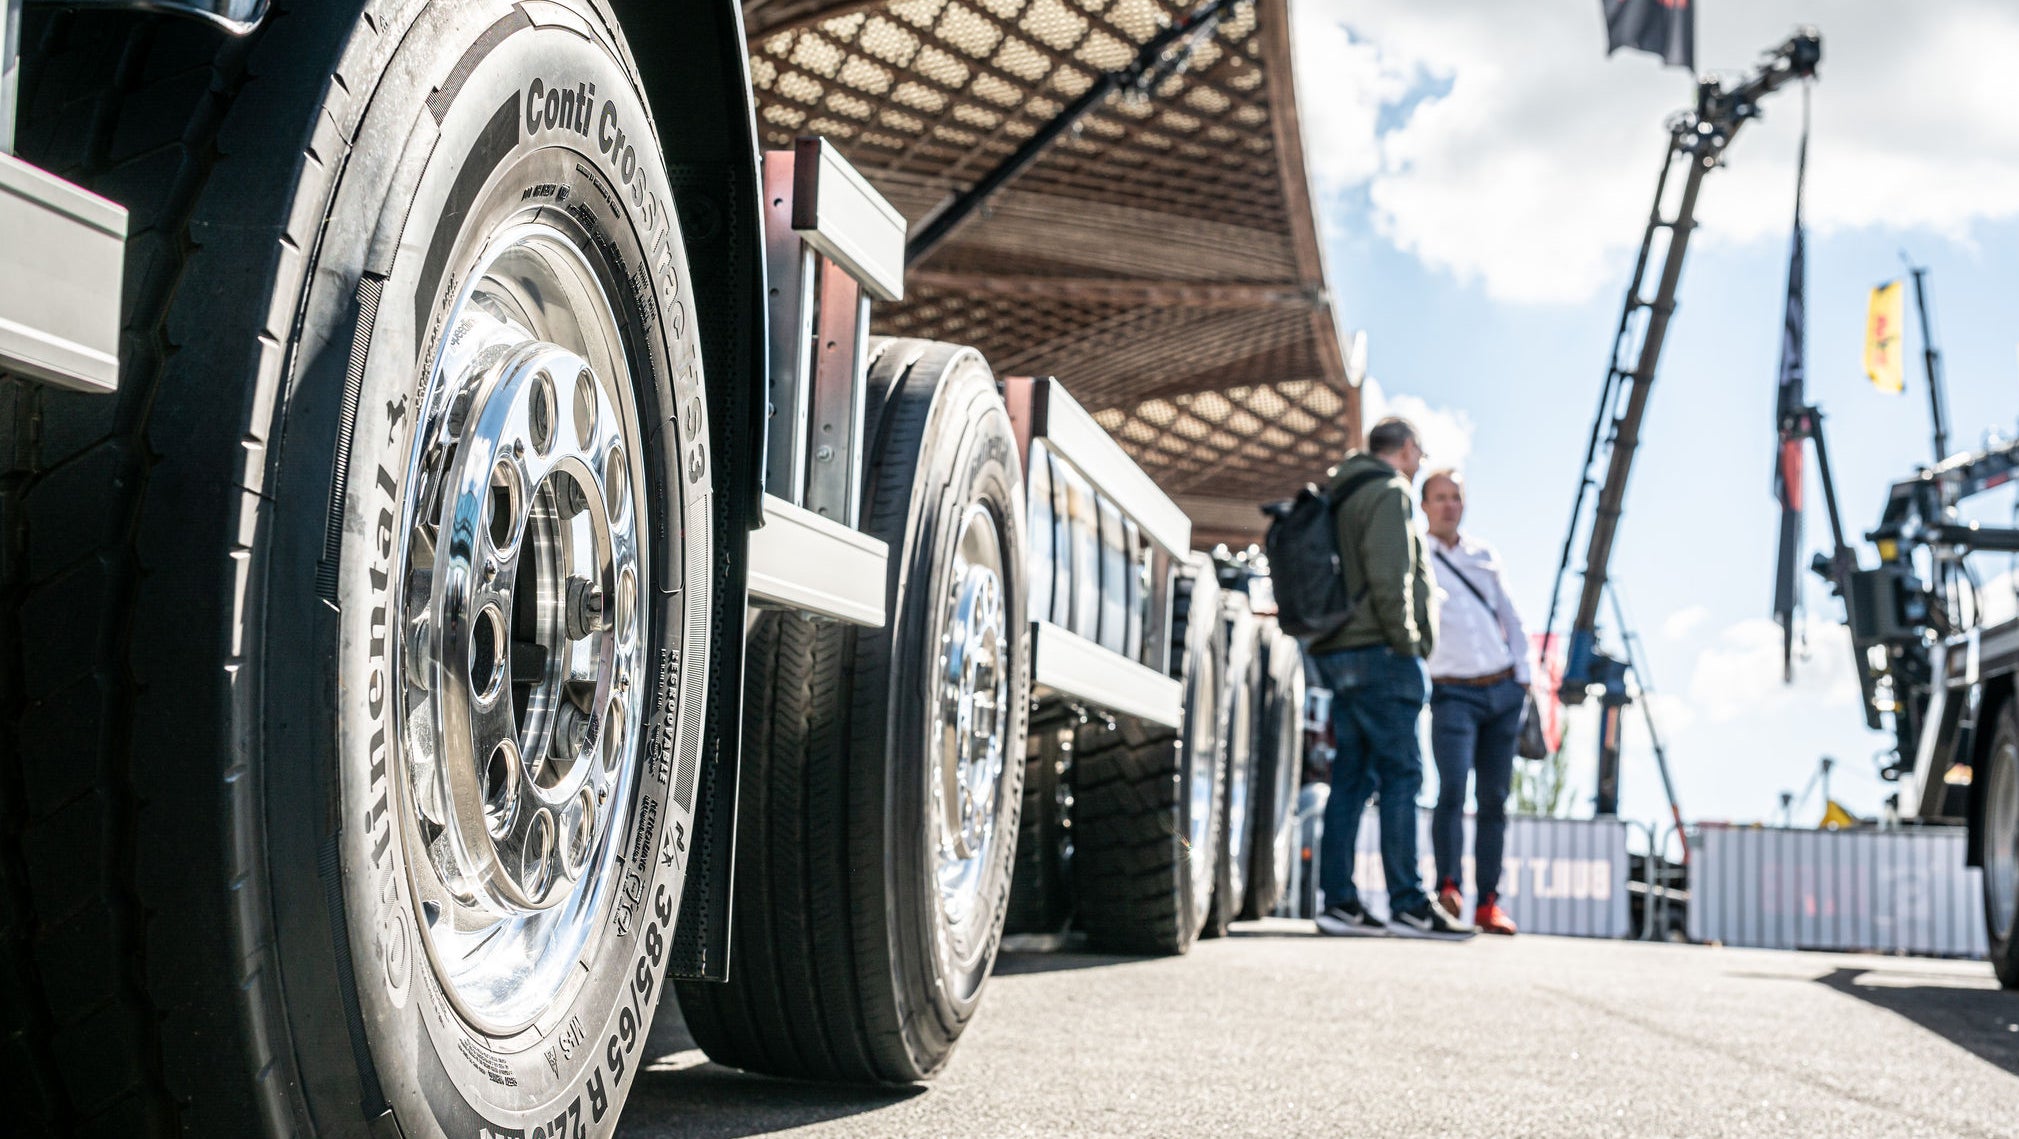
x=1047, y=411
x=1067, y=664
x=832, y=244
x=62, y=255
x=799, y=560
x=1116, y=542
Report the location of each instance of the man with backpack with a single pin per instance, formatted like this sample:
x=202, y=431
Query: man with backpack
x=1374, y=664
x=1478, y=688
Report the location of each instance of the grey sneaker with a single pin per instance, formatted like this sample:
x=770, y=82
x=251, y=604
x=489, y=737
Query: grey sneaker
x=1431, y=922
x=1350, y=920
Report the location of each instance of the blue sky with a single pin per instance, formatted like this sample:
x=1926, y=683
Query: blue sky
x=1485, y=250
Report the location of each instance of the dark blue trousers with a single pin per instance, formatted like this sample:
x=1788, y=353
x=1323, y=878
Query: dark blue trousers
x=1473, y=731
x=1377, y=697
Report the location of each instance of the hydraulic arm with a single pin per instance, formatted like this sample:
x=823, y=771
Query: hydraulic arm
x=1697, y=142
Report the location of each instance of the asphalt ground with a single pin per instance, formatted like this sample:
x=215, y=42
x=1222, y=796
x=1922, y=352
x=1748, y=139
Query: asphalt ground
x=1276, y=1032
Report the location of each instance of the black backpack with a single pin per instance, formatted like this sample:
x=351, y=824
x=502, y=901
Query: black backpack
x=1303, y=548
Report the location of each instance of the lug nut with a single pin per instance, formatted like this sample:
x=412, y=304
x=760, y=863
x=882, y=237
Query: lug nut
x=571, y=731
x=459, y=413
x=568, y=494
x=419, y=649
x=585, y=607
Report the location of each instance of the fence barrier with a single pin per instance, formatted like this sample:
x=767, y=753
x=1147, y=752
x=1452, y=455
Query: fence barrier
x=1559, y=876
x=1894, y=891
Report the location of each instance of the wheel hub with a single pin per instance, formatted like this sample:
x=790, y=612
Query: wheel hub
x=522, y=643
x=970, y=720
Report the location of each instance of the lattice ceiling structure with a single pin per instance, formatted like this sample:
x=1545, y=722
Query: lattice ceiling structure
x=1164, y=261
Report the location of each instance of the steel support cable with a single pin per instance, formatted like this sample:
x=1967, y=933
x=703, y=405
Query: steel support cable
x=1162, y=56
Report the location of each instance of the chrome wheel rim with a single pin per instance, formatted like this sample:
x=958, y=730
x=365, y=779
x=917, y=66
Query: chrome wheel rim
x=522, y=614
x=1289, y=774
x=2001, y=863
x=1240, y=723
x=970, y=721
x=1204, y=765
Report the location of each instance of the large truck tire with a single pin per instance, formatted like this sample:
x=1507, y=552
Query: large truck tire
x=878, y=825
x=351, y=674
x=2001, y=843
x=1147, y=800
x=1279, y=765
x=1041, y=899
x=1240, y=721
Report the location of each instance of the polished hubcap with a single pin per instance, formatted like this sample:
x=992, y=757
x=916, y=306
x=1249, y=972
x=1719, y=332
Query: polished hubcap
x=519, y=601
x=1241, y=722
x=1203, y=761
x=970, y=719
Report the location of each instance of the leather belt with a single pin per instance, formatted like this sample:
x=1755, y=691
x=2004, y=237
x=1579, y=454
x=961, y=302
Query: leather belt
x=1486, y=681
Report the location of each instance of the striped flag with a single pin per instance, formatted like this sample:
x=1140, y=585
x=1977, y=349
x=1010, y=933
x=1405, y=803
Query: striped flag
x=1792, y=426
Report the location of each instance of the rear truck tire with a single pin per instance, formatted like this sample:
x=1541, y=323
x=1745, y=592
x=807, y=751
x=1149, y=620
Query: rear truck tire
x=1240, y=717
x=354, y=652
x=1147, y=800
x=1279, y=764
x=1041, y=896
x=2001, y=844
x=882, y=768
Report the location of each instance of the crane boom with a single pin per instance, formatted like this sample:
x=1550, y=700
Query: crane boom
x=1697, y=138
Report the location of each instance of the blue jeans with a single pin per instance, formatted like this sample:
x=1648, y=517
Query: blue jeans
x=1377, y=695
x=1473, y=731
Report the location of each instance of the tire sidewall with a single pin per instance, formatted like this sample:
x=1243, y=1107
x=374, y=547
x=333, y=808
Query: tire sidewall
x=968, y=457
x=1286, y=727
x=1241, y=718
x=449, y=168
x=2004, y=750
x=1205, y=691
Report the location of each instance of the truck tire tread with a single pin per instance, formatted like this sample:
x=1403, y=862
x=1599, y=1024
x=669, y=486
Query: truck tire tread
x=129, y=106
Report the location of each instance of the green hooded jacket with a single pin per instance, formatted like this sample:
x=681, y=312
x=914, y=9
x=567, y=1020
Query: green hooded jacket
x=1386, y=564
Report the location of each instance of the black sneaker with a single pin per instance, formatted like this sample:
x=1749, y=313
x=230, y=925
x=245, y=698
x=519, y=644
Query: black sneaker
x=1351, y=920
x=1429, y=921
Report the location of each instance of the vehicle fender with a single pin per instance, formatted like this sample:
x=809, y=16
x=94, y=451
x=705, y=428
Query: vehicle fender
x=695, y=65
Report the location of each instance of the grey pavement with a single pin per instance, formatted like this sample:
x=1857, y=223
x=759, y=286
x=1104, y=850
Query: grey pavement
x=1278, y=1032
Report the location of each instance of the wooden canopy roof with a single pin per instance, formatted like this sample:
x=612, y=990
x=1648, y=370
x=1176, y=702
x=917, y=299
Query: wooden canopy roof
x=1164, y=262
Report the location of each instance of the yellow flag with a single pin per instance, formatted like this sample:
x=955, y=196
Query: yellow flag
x=1836, y=818
x=1882, y=339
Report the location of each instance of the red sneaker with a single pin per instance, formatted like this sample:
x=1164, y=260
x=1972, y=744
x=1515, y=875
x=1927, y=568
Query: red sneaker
x=1490, y=918
x=1449, y=899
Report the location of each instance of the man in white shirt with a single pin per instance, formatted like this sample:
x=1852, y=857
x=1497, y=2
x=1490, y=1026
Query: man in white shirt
x=1479, y=682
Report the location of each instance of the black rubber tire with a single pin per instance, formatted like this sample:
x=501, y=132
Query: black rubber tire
x=1279, y=764
x=2001, y=840
x=837, y=970
x=1133, y=857
x=1240, y=720
x=200, y=934
x=1041, y=899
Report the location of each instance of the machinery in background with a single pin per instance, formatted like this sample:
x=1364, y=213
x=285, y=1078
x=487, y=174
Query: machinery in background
x=1698, y=140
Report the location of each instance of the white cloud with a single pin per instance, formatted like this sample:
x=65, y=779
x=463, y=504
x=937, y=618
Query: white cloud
x=1528, y=162
x=1684, y=621
x=1740, y=673
x=1446, y=431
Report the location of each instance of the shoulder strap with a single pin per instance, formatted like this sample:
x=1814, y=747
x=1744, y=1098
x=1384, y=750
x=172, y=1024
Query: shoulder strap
x=1347, y=488
x=1460, y=574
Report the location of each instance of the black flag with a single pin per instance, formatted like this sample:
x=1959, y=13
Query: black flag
x=1793, y=425
x=1668, y=28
